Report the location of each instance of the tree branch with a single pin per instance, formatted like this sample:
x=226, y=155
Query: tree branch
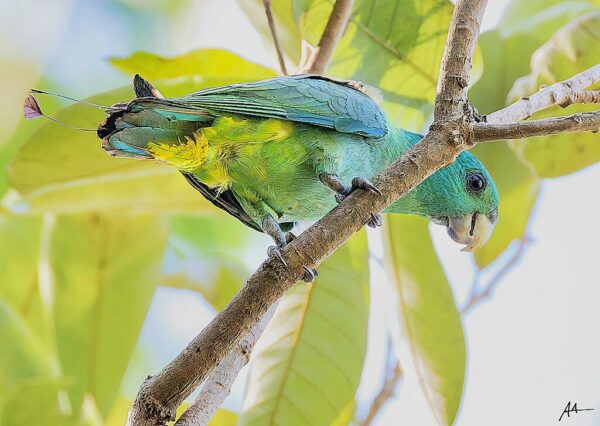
x=393, y=374
x=331, y=36
x=563, y=93
x=451, y=102
x=218, y=384
x=479, y=295
x=271, y=21
x=159, y=396
x=582, y=122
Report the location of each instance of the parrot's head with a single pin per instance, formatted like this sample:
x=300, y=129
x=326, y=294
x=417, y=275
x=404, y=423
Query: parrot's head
x=464, y=198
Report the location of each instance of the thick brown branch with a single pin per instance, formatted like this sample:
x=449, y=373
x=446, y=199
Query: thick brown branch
x=160, y=395
x=563, y=93
x=218, y=385
x=582, y=122
x=451, y=102
x=331, y=36
x=273, y=29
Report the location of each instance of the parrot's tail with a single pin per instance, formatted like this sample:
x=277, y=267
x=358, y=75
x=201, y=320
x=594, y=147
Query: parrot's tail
x=151, y=127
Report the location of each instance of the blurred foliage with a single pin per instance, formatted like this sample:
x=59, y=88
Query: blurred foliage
x=572, y=49
x=91, y=237
x=307, y=365
x=429, y=322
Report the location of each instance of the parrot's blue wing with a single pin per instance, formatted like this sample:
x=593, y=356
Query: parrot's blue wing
x=320, y=101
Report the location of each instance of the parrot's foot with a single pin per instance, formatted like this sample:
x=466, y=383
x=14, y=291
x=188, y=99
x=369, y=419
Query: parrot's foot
x=271, y=228
x=342, y=191
x=375, y=220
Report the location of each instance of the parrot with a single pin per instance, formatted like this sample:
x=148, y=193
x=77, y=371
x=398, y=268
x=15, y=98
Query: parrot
x=276, y=152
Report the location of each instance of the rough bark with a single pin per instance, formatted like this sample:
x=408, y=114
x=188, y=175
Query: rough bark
x=218, y=385
x=583, y=122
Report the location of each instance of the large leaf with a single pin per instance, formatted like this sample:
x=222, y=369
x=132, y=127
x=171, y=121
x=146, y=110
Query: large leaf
x=430, y=322
x=572, y=49
x=307, y=365
x=210, y=64
x=35, y=402
x=395, y=45
x=62, y=170
x=22, y=355
x=518, y=187
x=19, y=270
x=103, y=272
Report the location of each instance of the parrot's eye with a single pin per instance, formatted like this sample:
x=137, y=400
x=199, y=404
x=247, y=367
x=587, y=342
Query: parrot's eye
x=476, y=182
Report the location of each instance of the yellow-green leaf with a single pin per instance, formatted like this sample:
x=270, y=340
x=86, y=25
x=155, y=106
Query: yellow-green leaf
x=19, y=286
x=22, y=355
x=572, y=49
x=212, y=64
x=307, y=365
x=103, y=271
x=35, y=401
x=430, y=322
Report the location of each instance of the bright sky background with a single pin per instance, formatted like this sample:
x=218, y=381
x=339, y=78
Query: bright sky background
x=531, y=348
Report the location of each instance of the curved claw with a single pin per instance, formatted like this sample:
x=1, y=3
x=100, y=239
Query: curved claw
x=289, y=237
x=364, y=184
x=375, y=221
x=274, y=252
x=309, y=274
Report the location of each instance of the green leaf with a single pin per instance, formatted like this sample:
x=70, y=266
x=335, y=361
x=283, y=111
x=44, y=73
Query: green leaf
x=518, y=187
x=395, y=45
x=19, y=270
x=22, y=355
x=286, y=21
x=430, y=322
x=212, y=64
x=307, y=364
x=34, y=402
x=571, y=50
x=103, y=271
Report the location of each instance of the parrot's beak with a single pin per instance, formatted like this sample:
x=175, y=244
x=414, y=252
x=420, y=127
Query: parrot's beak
x=473, y=229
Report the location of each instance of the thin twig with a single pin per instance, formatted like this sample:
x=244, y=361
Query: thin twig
x=477, y=296
x=393, y=374
x=280, y=58
x=582, y=122
x=331, y=36
x=563, y=93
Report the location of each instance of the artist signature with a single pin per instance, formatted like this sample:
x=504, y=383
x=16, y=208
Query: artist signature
x=572, y=408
